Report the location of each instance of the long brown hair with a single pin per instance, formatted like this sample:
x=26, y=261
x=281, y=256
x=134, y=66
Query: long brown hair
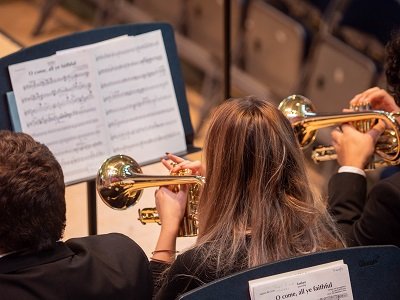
x=257, y=205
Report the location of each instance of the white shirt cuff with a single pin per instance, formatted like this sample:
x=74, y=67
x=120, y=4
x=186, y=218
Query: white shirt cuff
x=350, y=169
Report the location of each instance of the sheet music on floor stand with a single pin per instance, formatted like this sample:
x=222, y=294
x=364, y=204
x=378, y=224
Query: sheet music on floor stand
x=91, y=102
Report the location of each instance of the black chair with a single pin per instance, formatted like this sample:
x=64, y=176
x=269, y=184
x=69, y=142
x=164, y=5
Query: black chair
x=103, y=10
x=204, y=25
x=164, y=11
x=374, y=274
x=361, y=26
x=274, y=46
x=310, y=13
x=204, y=28
x=367, y=17
x=335, y=73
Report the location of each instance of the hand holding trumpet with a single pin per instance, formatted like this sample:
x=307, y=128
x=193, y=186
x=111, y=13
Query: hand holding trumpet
x=171, y=203
x=172, y=206
x=354, y=148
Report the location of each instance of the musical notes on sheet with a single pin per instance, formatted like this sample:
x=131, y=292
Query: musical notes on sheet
x=138, y=95
x=90, y=102
x=55, y=98
x=34, y=83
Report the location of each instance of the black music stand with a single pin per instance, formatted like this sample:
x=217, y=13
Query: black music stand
x=89, y=37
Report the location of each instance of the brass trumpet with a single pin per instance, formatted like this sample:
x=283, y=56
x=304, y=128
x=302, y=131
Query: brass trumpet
x=305, y=122
x=120, y=183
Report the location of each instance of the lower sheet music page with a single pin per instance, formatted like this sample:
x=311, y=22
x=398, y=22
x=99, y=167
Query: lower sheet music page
x=323, y=282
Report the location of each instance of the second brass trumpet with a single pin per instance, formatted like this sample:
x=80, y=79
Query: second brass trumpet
x=120, y=183
x=305, y=122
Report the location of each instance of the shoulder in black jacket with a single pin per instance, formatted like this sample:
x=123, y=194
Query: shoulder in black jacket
x=109, y=266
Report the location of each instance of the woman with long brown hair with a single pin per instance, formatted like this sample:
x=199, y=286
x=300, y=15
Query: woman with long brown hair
x=256, y=205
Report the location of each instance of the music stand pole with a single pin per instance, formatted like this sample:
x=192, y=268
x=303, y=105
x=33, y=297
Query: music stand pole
x=92, y=208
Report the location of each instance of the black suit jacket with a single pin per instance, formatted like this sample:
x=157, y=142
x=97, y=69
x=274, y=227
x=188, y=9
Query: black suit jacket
x=110, y=266
x=366, y=219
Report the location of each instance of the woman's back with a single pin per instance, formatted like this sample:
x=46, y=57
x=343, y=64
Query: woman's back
x=256, y=205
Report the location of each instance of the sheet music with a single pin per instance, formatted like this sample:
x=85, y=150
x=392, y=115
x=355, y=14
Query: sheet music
x=56, y=102
x=91, y=102
x=325, y=281
x=139, y=101
x=91, y=46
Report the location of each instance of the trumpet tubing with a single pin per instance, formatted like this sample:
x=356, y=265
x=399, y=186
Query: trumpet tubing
x=305, y=122
x=120, y=183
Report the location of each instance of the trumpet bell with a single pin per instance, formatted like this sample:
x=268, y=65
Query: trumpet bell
x=296, y=108
x=112, y=184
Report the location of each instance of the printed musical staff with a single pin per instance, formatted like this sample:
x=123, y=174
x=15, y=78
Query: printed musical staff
x=55, y=93
x=148, y=75
x=68, y=126
x=143, y=129
x=122, y=122
x=90, y=102
x=33, y=84
x=145, y=101
x=143, y=144
x=58, y=104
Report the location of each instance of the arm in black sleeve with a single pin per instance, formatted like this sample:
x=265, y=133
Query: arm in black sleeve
x=182, y=276
x=158, y=270
x=366, y=220
x=347, y=196
x=380, y=221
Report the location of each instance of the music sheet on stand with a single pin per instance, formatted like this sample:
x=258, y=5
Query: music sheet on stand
x=86, y=105
x=142, y=113
x=56, y=105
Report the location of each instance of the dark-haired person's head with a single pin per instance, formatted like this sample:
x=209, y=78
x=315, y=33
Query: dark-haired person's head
x=392, y=66
x=32, y=194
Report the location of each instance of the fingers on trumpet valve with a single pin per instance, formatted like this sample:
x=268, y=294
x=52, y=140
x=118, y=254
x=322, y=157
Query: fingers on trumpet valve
x=173, y=163
x=180, y=168
x=363, y=100
x=169, y=164
x=360, y=102
x=360, y=106
x=176, y=166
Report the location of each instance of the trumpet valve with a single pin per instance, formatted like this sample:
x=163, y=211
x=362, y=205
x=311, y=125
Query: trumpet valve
x=182, y=172
x=148, y=215
x=323, y=153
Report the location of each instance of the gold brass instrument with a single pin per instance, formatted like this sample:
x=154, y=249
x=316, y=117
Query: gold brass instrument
x=120, y=183
x=305, y=122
